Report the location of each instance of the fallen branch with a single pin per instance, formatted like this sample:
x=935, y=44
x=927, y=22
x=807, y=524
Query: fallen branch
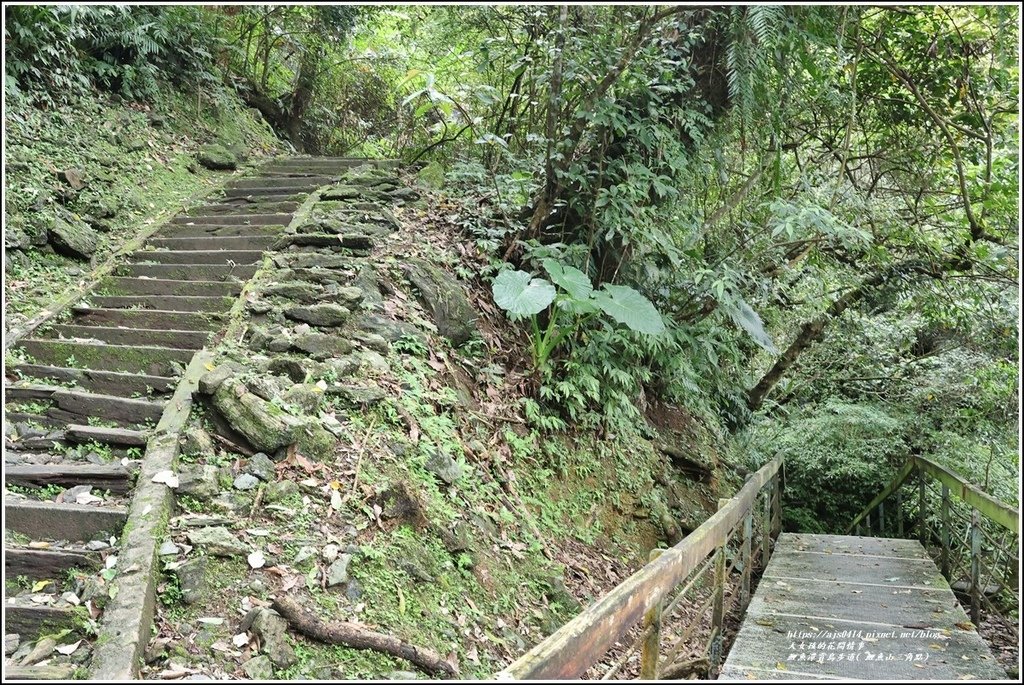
x=357, y=637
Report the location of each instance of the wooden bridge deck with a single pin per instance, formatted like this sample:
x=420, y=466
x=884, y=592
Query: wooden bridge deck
x=844, y=607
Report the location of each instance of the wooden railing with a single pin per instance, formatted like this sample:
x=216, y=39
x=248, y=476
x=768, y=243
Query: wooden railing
x=699, y=566
x=974, y=537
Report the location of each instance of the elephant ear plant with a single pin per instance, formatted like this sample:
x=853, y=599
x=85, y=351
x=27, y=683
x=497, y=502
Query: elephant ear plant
x=575, y=302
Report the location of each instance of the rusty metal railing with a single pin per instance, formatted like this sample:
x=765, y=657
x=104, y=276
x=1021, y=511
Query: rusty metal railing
x=711, y=568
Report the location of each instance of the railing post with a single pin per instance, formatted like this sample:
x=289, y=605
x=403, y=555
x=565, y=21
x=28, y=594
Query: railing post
x=975, y=566
x=766, y=528
x=944, y=559
x=867, y=522
x=652, y=643
x=776, y=504
x=922, y=510
x=899, y=512
x=718, y=605
x=881, y=518
x=748, y=533
x=858, y=531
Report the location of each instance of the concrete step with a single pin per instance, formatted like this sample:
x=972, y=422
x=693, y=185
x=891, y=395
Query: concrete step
x=239, y=207
x=186, y=272
x=148, y=318
x=71, y=522
x=251, y=219
x=122, y=286
x=114, y=478
x=297, y=183
x=168, y=303
x=152, y=361
x=186, y=340
x=103, y=382
x=243, y=257
x=223, y=230
x=261, y=242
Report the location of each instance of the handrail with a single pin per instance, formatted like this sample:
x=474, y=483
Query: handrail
x=985, y=564
x=1003, y=514
x=584, y=640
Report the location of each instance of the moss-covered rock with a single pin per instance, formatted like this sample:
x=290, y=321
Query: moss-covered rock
x=445, y=299
x=267, y=427
x=73, y=238
x=217, y=158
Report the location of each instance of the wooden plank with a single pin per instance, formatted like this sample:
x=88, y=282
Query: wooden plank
x=162, y=286
x=167, y=303
x=877, y=596
x=72, y=522
x=39, y=564
x=108, y=406
x=106, y=436
x=152, y=361
x=98, y=381
x=69, y=474
x=581, y=642
x=185, y=340
x=147, y=318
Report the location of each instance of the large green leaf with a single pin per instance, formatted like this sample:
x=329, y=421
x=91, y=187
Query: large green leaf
x=746, y=318
x=569, y=278
x=516, y=293
x=629, y=307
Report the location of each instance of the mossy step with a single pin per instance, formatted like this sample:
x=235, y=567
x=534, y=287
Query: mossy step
x=27, y=619
x=186, y=340
x=241, y=207
x=151, y=361
x=45, y=671
x=214, y=243
x=96, y=381
x=39, y=564
x=111, y=407
x=106, y=436
x=281, y=195
x=167, y=303
x=302, y=182
x=73, y=522
x=268, y=191
x=229, y=218
x=187, y=272
x=198, y=256
x=213, y=230
x=147, y=318
x=115, y=478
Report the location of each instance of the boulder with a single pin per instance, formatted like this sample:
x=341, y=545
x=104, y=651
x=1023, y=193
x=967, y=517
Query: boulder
x=321, y=345
x=315, y=441
x=327, y=315
x=445, y=300
x=272, y=630
x=218, y=541
x=305, y=396
x=73, y=238
x=217, y=158
x=265, y=426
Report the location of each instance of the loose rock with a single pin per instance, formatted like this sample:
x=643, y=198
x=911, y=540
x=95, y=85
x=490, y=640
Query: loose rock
x=218, y=541
x=327, y=315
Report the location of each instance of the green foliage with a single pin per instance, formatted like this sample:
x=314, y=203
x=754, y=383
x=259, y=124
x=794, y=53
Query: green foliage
x=837, y=456
x=60, y=51
x=521, y=295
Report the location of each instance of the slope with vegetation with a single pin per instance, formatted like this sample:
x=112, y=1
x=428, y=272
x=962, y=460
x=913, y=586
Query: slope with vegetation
x=694, y=238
